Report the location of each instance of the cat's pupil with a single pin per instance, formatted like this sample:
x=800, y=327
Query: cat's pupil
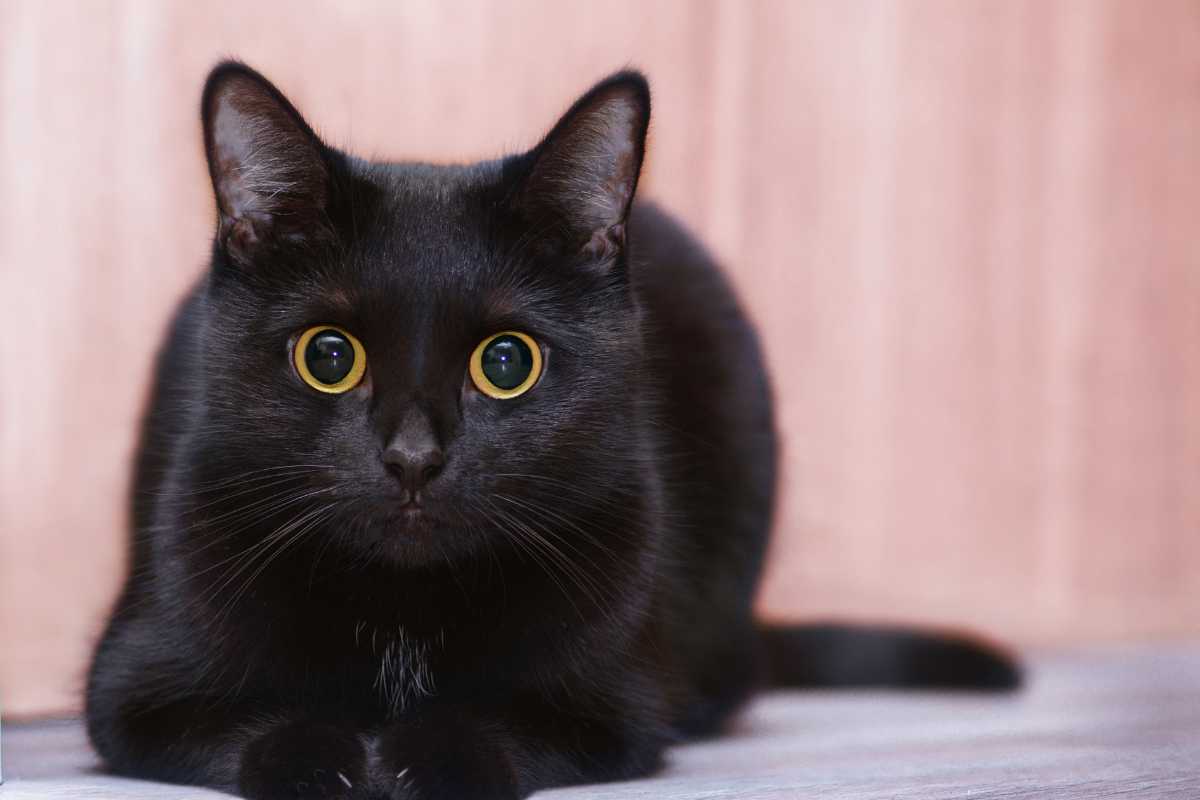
x=329, y=357
x=507, y=362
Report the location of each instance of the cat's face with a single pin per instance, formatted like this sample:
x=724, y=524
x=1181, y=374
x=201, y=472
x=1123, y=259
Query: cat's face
x=426, y=362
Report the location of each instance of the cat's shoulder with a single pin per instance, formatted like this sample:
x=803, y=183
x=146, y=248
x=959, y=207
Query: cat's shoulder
x=670, y=266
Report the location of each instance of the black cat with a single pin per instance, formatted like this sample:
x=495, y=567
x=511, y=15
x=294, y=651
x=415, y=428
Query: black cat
x=455, y=481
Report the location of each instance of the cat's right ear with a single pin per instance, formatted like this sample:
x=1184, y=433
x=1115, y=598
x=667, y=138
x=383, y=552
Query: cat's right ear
x=269, y=170
x=581, y=178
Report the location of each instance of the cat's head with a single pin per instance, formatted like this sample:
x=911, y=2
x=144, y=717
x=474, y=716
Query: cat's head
x=421, y=362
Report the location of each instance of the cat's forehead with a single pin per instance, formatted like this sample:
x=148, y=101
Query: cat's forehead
x=420, y=242
x=423, y=223
x=431, y=202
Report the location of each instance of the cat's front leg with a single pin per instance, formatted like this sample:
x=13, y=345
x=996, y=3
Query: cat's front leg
x=447, y=753
x=304, y=759
x=470, y=755
x=200, y=741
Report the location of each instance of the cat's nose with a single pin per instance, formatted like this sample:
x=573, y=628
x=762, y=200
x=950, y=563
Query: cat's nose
x=413, y=455
x=415, y=467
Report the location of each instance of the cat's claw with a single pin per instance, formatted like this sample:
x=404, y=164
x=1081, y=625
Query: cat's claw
x=284, y=764
x=405, y=788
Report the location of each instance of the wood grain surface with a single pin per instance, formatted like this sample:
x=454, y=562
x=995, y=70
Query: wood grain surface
x=1102, y=723
x=966, y=229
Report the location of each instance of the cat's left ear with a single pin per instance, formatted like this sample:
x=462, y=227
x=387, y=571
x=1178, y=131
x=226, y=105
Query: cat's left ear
x=581, y=178
x=269, y=170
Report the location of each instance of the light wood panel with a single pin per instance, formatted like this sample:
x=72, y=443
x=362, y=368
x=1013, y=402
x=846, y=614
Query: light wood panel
x=967, y=230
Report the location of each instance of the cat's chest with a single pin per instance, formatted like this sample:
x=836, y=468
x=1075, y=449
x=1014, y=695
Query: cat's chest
x=400, y=665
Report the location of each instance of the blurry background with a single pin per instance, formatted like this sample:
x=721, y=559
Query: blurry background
x=967, y=231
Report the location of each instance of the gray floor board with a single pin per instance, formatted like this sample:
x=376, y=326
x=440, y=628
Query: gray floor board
x=1112, y=723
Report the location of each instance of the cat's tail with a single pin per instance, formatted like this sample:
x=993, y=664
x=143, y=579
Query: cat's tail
x=843, y=656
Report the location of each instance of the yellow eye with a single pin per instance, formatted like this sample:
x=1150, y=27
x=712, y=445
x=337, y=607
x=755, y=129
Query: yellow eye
x=506, y=365
x=329, y=359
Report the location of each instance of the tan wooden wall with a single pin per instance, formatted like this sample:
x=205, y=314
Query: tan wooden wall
x=967, y=229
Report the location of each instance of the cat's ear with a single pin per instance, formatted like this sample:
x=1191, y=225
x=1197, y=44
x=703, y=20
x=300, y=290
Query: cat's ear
x=582, y=176
x=269, y=170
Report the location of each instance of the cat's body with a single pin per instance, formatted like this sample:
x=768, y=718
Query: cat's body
x=574, y=589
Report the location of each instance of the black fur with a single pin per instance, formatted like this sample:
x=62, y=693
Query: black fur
x=575, y=592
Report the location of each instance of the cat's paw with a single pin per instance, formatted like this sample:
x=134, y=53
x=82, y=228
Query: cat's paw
x=302, y=760
x=434, y=782
x=444, y=758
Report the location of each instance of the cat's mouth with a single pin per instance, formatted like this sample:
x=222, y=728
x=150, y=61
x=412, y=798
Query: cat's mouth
x=411, y=516
x=414, y=534
x=408, y=514
x=414, y=530
x=411, y=503
x=403, y=507
x=412, y=507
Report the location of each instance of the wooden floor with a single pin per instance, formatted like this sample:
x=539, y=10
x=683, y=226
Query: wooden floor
x=1106, y=723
